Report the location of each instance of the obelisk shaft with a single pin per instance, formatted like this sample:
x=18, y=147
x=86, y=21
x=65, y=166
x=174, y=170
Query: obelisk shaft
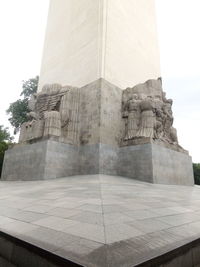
x=90, y=39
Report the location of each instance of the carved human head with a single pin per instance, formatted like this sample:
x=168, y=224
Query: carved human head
x=142, y=96
x=135, y=96
x=158, y=97
x=170, y=101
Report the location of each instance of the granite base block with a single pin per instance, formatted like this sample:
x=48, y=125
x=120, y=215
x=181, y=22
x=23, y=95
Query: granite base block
x=155, y=164
x=145, y=162
x=171, y=167
x=98, y=159
x=89, y=159
x=40, y=161
x=136, y=162
x=25, y=162
x=108, y=159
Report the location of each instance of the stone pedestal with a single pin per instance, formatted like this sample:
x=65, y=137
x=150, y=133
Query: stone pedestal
x=51, y=159
x=40, y=161
x=93, y=140
x=155, y=164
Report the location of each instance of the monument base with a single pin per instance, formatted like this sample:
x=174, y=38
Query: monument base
x=92, y=123
x=155, y=164
x=40, y=161
x=146, y=162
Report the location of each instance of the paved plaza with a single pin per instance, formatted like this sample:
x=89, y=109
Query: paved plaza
x=100, y=220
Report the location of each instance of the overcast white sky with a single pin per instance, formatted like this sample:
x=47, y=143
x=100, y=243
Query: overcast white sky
x=22, y=28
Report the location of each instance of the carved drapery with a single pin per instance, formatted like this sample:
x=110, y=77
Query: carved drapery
x=147, y=113
x=53, y=113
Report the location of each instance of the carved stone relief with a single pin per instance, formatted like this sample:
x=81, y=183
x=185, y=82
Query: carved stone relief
x=147, y=113
x=92, y=114
x=53, y=113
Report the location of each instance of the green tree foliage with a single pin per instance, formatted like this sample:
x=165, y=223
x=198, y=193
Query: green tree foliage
x=18, y=109
x=29, y=87
x=5, y=140
x=4, y=135
x=196, y=167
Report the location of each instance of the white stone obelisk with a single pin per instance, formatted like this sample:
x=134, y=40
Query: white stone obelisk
x=91, y=39
x=102, y=109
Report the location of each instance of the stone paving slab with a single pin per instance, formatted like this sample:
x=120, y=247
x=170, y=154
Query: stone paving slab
x=100, y=220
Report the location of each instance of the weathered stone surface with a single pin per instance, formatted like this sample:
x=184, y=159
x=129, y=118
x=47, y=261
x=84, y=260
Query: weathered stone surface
x=111, y=122
x=156, y=164
x=40, y=161
x=147, y=113
x=100, y=220
x=100, y=113
x=87, y=115
x=89, y=159
x=54, y=113
x=108, y=159
x=176, y=166
x=25, y=162
x=136, y=162
x=85, y=130
x=145, y=162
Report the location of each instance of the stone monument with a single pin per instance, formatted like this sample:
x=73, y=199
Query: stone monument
x=100, y=106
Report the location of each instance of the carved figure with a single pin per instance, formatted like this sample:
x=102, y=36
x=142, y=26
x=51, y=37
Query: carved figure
x=147, y=121
x=148, y=113
x=52, y=125
x=159, y=115
x=53, y=112
x=133, y=115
